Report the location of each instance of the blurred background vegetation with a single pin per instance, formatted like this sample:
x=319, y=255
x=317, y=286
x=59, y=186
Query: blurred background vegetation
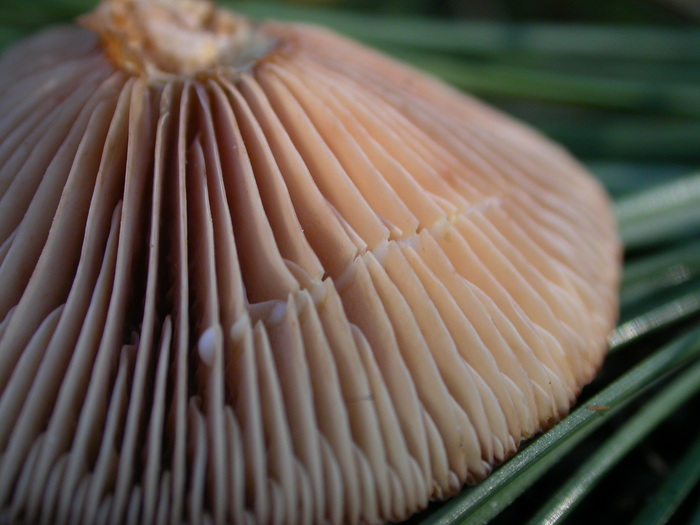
x=618, y=83
x=618, y=11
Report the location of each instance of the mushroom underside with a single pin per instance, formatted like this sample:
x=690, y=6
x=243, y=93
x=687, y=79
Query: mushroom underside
x=321, y=289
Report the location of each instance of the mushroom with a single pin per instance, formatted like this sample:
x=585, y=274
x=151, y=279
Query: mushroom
x=255, y=272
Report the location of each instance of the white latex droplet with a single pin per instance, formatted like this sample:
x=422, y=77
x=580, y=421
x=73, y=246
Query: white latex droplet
x=207, y=346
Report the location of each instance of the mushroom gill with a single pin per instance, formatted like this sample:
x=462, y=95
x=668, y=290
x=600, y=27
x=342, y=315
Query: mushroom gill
x=259, y=273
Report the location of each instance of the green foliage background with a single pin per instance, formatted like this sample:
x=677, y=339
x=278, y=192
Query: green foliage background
x=618, y=83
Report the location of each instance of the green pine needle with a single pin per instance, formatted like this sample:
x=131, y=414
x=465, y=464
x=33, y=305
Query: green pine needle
x=659, y=214
x=662, y=406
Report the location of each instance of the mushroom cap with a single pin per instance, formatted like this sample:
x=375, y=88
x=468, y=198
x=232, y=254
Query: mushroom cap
x=273, y=276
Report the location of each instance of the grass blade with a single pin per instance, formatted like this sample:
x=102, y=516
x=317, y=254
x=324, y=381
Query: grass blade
x=659, y=272
x=614, y=449
x=657, y=319
x=660, y=214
